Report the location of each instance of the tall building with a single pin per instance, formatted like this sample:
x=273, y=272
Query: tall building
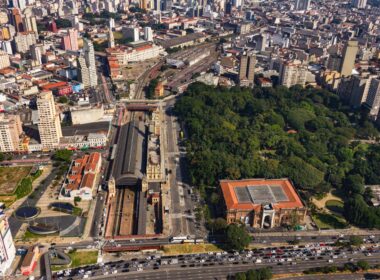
x=373, y=98
x=247, y=70
x=144, y=4
x=131, y=33
x=24, y=40
x=4, y=60
x=292, y=73
x=349, y=56
x=111, y=24
x=52, y=26
x=73, y=35
x=87, y=65
x=111, y=39
x=167, y=5
x=30, y=24
x=157, y=5
x=36, y=52
x=7, y=47
x=148, y=34
x=49, y=125
x=16, y=20
x=70, y=41
x=360, y=4
x=261, y=42
x=302, y=5
x=7, y=247
x=10, y=131
x=334, y=62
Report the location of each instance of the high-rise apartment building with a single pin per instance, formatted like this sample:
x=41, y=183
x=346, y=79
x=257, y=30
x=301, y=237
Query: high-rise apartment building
x=24, y=40
x=373, y=98
x=148, y=34
x=111, y=23
x=303, y=5
x=73, y=35
x=131, y=33
x=36, y=52
x=7, y=247
x=334, y=62
x=49, y=125
x=30, y=24
x=167, y=5
x=349, y=56
x=144, y=4
x=70, y=41
x=4, y=60
x=111, y=39
x=292, y=73
x=16, y=20
x=247, y=70
x=10, y=131
x=360, y=4
x=87, y=65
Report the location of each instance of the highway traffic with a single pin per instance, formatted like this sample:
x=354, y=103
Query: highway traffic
x=283, y=259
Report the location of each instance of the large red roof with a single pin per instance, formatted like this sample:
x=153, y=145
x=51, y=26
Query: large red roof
x=232, y=202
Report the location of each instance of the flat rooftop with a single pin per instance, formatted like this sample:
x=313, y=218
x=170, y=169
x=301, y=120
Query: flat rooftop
x=252, y=193
x=85, y=129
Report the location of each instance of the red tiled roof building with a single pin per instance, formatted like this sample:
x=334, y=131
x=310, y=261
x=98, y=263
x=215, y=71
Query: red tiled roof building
x=262, y=203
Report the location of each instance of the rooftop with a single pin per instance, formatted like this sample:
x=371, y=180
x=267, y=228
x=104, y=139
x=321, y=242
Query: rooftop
x=252, y=193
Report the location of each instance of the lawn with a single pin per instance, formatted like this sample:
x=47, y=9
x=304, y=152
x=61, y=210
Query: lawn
x=7, y=199
x=79, y=258
x=179, y=249
x=30, y=235
x=11, y=176
x=329, y=221
x=335, y=206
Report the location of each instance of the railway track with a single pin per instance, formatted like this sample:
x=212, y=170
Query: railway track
x=120, y=195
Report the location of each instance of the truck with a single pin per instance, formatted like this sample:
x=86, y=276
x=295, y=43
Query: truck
x=174, y=261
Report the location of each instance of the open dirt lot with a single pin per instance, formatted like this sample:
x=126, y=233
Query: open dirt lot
x=11, y=176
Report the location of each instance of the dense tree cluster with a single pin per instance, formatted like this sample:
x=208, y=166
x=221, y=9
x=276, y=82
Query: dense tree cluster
x=307, y=135
x=63, y=155
x=149, y=91
x=237, y=237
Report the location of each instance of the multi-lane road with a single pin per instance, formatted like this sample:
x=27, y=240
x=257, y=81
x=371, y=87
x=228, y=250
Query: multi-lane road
x=206, y=266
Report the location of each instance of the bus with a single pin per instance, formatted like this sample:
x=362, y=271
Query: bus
x=177, y=239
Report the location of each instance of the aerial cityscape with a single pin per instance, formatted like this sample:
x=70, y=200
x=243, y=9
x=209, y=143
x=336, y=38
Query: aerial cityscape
x=210, y=139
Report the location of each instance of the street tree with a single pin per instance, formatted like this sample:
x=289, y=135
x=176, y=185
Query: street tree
x=237, y=237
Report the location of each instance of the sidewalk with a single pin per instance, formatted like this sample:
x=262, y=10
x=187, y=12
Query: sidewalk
x=350, y=231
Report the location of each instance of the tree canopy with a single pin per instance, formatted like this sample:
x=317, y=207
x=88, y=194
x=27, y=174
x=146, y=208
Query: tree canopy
x=237, y=237
x=307, y=135
x=63, y=155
